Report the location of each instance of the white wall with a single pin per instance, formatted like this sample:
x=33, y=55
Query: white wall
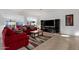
x=47, y=15
x=71, y=30
x=13, y=17
x=60, y=14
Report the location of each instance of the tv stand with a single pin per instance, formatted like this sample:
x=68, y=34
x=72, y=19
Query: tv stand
x=54, y=29
x=49, y=28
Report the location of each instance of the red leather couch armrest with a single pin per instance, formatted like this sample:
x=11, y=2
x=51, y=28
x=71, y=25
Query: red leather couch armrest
x=18, y=37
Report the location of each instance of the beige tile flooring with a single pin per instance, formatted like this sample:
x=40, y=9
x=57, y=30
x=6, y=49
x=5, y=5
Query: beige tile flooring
x=57, y=42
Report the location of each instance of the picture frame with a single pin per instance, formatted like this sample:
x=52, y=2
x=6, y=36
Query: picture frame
x=69, y=20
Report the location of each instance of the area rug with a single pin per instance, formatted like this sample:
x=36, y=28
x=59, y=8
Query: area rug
x=34, y=42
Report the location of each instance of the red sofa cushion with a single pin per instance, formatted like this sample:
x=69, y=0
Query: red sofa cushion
x=29, y=29
x=13, y=40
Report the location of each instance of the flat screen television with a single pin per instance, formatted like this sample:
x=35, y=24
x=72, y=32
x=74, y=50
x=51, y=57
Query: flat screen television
x=49, y=23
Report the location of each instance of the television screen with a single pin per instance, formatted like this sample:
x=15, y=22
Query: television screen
x=49, y=23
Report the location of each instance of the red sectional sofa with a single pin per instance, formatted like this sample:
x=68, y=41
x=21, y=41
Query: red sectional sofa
x=29, y=30
x=12, y=40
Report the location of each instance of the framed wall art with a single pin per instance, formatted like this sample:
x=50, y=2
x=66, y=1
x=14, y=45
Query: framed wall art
x=69, y=20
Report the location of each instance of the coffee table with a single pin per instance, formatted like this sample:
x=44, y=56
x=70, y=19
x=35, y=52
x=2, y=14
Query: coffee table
x=36, y=32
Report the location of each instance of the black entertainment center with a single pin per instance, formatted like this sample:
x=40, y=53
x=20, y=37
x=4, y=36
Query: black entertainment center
x=51, y=25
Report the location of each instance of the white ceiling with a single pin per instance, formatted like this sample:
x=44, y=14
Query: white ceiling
x=39, y=13
x=32, y=11
x=25, y=11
